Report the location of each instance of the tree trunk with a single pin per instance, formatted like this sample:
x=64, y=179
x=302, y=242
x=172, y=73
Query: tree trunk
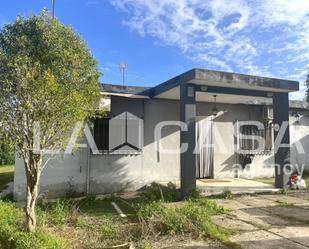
x=32, y=194
x=33, y=173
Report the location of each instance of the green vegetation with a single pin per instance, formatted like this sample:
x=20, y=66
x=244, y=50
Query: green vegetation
x=54, y=79
x=145, y=244
x=65, y=223
x=13, y=235
x=6, y=175
x=7, y=149
x=158, y=192
x=227, y=194
x=283, y=191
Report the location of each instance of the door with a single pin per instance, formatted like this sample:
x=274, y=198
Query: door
x=205, y=150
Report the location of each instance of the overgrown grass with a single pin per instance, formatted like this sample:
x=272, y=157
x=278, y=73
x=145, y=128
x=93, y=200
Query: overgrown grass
x=156, y=192
x=94, y=218
x=6, y=175
x=192, y=216
x=94, y=223
x=13, y=235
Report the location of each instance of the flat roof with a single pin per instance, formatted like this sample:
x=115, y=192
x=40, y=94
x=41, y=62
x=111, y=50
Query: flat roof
x=142, y=92
x=227, y=79
x=213, y=80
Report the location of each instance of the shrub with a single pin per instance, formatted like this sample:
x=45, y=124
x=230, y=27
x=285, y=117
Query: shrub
x=158, y=192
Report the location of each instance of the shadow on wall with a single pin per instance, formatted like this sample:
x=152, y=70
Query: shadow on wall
x=260, y=167
x=114, y=173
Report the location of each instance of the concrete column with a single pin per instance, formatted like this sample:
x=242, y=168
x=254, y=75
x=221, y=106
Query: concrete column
x=188, y=159
x=282, y=157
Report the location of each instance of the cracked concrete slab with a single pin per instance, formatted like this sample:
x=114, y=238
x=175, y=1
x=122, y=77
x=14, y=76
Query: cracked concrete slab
x=263, y=239
x=232, y=223
x=231, y=204
x=299, y=234
x=268, y=221
x=277, y=199
x=290, y=213
x=256, y=201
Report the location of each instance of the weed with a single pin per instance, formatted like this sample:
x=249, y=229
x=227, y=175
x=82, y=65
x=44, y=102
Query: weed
x=145, y=244
x=12, y=234
x=283, y=191
x=195, y=194
x=173, y=221
x=80, y=222
x=58, y=212
x=39, y=240
x=193, y=216
x=109, y=230
x=146, y=210
x=227, y=194
x=88, y=201
x=158, y=192
x=71, y=192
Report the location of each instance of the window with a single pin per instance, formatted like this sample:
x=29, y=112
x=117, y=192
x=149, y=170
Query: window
x=251, y=144
x=101, y=133
x=122, y=134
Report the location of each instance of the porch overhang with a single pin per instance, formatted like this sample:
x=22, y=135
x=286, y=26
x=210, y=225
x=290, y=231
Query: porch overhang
x=198, y=85
x=210, y=81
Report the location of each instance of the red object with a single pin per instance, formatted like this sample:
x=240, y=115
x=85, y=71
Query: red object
x=294, y=178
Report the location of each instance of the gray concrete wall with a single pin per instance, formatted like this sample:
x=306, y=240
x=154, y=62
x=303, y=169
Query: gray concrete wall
x=224, y=150
x=62, y=175
x=114, y=173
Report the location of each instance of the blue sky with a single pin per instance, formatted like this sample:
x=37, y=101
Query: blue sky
x=162, y=38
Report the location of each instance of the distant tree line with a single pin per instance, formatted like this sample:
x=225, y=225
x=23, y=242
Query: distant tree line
x=7, y=151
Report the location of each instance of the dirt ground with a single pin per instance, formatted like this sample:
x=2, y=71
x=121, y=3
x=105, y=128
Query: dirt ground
x=268, y=221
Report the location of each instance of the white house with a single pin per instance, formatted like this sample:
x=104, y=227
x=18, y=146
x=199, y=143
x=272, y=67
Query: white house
x=210, y=105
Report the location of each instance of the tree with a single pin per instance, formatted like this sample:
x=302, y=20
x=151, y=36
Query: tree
x=49, y=81
x=7, y=149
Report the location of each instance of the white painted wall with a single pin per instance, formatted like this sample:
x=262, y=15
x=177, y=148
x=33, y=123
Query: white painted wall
x=113, y=173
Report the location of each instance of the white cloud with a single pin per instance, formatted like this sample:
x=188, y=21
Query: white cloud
x=92, y=2
x=266, y=37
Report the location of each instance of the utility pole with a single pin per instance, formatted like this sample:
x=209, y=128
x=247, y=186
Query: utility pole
x=53, y=8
